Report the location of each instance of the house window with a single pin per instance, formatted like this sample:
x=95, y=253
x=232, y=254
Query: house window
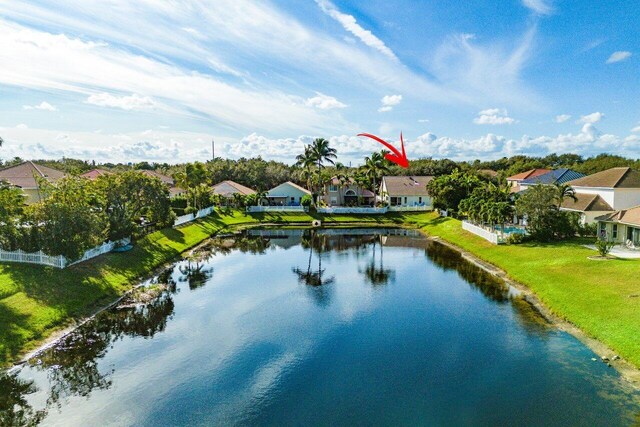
x=405, y=200
x=334, y=200
x=333, y=188
x=614, y=232
x=419, y=199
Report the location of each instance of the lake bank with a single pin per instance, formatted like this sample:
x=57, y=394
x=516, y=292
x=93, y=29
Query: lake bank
x=558, y=278
x=37, y=302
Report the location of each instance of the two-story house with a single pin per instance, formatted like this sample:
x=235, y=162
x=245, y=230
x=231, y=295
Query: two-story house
x=349, y=193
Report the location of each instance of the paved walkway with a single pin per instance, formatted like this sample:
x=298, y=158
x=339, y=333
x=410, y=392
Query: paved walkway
x=620, y=252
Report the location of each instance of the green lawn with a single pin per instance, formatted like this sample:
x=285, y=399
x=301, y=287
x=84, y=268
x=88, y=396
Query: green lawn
x=594, y=295
x=37, y=300
x=600, y=297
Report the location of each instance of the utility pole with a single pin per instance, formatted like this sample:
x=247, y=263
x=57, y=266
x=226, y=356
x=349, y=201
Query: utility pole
x=213, y=150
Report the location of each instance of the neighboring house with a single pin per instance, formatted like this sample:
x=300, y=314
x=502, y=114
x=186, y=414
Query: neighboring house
x=287, y=194
x=229, y=188
x=174, y=190
x=558, y=176
x=621, y=226
x=350, y=194
x=405, y=191
x=515, y=180
x=24, y=175
x=590, y=206
x=93, y=174
x=613, y=189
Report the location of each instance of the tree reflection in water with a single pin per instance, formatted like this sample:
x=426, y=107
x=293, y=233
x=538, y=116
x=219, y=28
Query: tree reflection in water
x=72, y=365
x=14, y=408
x=374, y=274
x=318, y=285
x=492, y=287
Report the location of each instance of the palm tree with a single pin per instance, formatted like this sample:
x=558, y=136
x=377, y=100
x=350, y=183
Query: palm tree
x=564, y=191
x=306, y=161
x=321, y=152
x=374, y=167
x=260, y=196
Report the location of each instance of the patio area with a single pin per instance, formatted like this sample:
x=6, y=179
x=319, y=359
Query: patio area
x=620, y=251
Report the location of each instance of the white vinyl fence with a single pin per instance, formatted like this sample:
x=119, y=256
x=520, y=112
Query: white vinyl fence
x=58, y=261
x=192, y=217
x=276, y=209
x=33, y=258
x=409, y=208
x=486, y=234
x=354, y=210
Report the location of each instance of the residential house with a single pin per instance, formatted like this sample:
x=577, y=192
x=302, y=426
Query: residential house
x=622, y=226
x=25, y=176
x=515, y=180
x=405, y=191
x=557, y=176
x=174, y=190
x=228, y=188
x=614, y=189
x=93, y=174
x=287, y=194
x=347, y=194
x=589, y=206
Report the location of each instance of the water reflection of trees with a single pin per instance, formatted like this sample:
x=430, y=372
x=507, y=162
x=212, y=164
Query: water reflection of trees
x=376, y=274
x=72, y=365
x=492, y=287
x=14, y=408
x=244, y=243
x=314, y=278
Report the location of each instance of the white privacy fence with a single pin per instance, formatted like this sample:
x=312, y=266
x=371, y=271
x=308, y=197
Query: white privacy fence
x=58, y=261
x=486, y=234
x=276, y=209
x=192, y=217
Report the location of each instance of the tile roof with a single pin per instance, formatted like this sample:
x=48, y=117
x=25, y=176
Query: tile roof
x=558, y=176
x=229, y=187
x=407, y=185
x=627, y=216
x=622, y=177
x=164, y=178
x=586, y=203
x=528, y=174
x=95, y=173
x=23, y=175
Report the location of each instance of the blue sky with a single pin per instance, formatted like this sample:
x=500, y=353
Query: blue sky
x=155, y=80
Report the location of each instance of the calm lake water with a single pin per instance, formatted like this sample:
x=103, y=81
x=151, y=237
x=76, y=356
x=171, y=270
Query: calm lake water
x=335, y=328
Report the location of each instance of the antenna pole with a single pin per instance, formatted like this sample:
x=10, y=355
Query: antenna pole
x=213, y=150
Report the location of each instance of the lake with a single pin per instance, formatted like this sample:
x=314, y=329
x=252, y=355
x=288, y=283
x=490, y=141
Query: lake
x=326, y=327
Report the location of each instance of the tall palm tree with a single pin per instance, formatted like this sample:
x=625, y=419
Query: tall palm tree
x=322, y=152
x=375, y=167
x=306, y=161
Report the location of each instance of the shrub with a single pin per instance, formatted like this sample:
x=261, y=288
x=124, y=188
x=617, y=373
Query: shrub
x=515, y=238
x=604, y=246
x=306, y=200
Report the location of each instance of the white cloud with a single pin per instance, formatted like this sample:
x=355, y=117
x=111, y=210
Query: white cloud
x=423, y=120
x=388, y=102
x=636, y=129
x=45, y=106
x=591, y=118
x=350, y=24
x=493, y=116
x=562, y=118
x=541, y=7
x=618, y=56
x=128, y=103
x=324, y=102
x=22, y=126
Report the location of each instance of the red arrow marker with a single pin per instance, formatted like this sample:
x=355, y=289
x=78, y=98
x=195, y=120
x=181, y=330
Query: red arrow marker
x=395, y=156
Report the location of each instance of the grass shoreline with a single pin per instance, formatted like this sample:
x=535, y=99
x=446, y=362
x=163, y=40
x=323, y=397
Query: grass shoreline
x=37, y=302
x=595, y=297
